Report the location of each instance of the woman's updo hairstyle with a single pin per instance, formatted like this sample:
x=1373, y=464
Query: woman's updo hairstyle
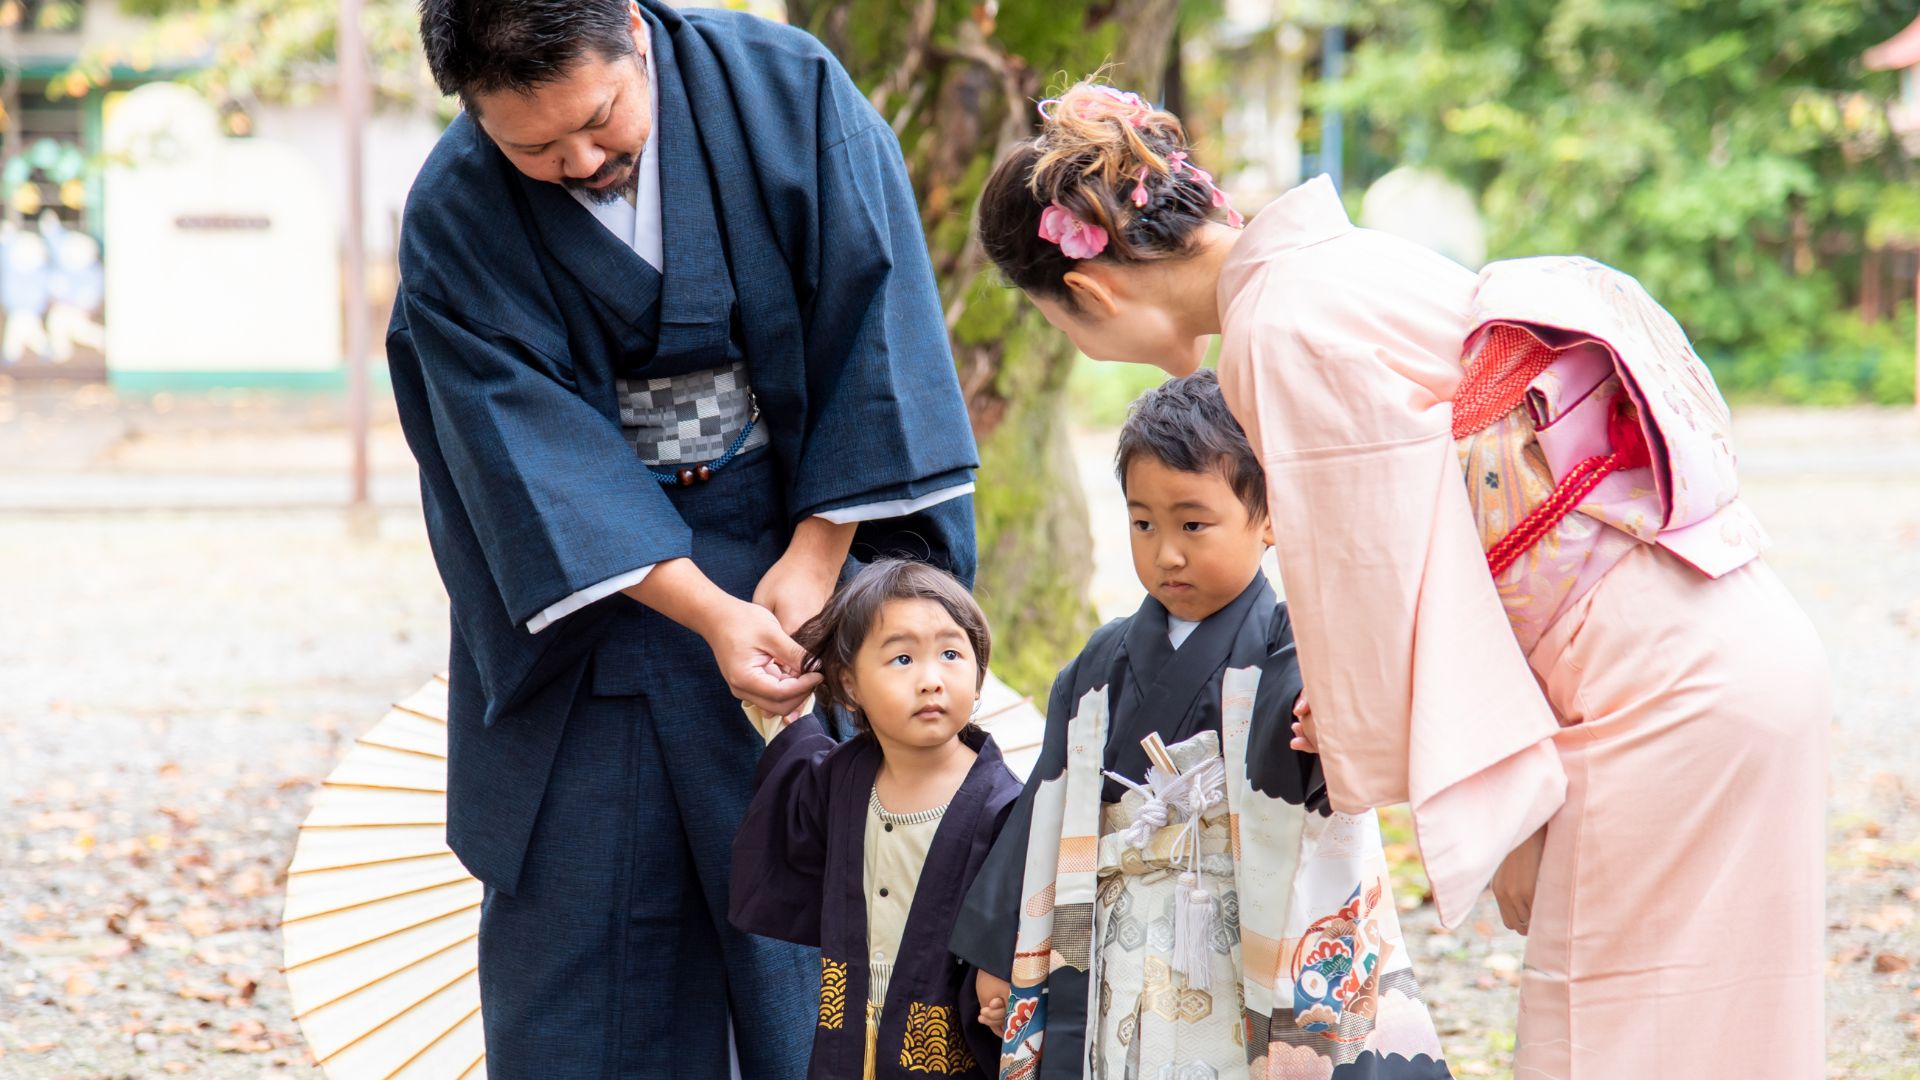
x=1108, y=177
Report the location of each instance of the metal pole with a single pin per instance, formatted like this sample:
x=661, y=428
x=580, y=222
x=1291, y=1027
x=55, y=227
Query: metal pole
x=354, y=105
x=1333, y=66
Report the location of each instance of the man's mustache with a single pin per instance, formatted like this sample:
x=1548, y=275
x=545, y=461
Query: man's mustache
x=613, y=167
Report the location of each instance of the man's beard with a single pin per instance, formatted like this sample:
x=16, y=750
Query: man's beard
x=621, y=189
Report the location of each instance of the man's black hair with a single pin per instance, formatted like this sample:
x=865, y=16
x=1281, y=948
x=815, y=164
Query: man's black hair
x=485, y=46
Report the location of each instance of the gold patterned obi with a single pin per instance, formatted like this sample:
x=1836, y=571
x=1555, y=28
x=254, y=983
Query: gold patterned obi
x=1128, y=848
x=1530, y=457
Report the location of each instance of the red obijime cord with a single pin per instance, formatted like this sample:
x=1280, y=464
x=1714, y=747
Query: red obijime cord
x=1509, y=361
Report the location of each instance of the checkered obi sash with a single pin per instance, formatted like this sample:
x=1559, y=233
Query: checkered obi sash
x=1586, y=424
x=689, y=419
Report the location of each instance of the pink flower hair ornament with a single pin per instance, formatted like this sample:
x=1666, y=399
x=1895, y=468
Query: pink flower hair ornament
x=1177, y=161
x=1111, y=104
x=1077, y=239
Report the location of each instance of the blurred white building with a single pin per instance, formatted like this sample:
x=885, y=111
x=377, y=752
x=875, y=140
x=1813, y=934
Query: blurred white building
x=65, y=305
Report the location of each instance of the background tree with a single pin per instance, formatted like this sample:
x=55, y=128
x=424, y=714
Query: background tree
x=958, y=81
x=1724, y=152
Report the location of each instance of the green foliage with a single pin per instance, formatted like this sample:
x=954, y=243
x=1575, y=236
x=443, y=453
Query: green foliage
x=277, y=51
x=1100, y=393
x=1732, y=154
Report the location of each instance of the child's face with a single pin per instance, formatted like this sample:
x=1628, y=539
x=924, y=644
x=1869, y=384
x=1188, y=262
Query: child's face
x=1195, y=546
x=915, y=677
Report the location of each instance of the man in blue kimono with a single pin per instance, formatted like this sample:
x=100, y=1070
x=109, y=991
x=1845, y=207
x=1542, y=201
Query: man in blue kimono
x=668, y=348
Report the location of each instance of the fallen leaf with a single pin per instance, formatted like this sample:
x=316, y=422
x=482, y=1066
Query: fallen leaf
x=1888, y=919
x=199, y=922
x=248, y=882
x=243, y=984
x=1890, y=964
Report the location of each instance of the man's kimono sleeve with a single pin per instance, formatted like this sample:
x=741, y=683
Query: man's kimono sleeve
x=780, y=852
x=885, y=420
x=557, y=499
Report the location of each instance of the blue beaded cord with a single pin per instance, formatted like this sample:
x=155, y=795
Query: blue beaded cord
x=720, y=462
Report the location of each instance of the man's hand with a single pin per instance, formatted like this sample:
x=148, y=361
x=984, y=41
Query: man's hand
x=799, y=585
x=1304, y=738
x=1514, y=883
x=992, y=991
x=758, y=659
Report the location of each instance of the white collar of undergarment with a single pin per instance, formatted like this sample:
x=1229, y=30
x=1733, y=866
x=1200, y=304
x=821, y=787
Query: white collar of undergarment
x=1178, y=630
x=638, y=222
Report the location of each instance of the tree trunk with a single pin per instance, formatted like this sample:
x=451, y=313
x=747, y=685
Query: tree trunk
x=958, y=82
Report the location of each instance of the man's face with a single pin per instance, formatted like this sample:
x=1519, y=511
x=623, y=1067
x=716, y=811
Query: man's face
x=584, y=130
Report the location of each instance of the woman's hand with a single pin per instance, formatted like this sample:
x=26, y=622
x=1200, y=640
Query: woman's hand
x=992, y=991
x=1516, y=880
x=1304, y=739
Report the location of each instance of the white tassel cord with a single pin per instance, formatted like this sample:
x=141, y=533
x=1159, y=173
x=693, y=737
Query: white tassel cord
x=1193, y=795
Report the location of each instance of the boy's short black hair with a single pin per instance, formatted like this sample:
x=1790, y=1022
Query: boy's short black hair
x=485, y=46
x=1185, y=425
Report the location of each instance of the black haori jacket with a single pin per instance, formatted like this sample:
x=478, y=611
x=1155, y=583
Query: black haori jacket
x=798, y=876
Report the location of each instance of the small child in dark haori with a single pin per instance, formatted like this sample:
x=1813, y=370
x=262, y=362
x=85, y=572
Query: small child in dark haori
x=866, y=849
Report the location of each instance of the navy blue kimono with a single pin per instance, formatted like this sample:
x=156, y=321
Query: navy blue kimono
x=798, y=868
x=598, y=769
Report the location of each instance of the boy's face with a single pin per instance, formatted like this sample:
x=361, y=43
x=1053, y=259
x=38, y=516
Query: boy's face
x=1195, y=546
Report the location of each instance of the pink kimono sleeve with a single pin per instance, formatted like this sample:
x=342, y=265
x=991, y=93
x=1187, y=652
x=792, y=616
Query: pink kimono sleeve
x=1418, y=687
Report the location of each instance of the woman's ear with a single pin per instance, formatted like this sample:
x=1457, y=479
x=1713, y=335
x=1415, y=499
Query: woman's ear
x=1090, y=293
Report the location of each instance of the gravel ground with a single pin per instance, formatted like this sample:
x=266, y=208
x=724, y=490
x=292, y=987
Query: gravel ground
x=192, y=640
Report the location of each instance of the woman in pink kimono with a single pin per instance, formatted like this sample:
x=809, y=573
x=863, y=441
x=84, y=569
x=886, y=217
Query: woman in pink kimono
x=1527, y=598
